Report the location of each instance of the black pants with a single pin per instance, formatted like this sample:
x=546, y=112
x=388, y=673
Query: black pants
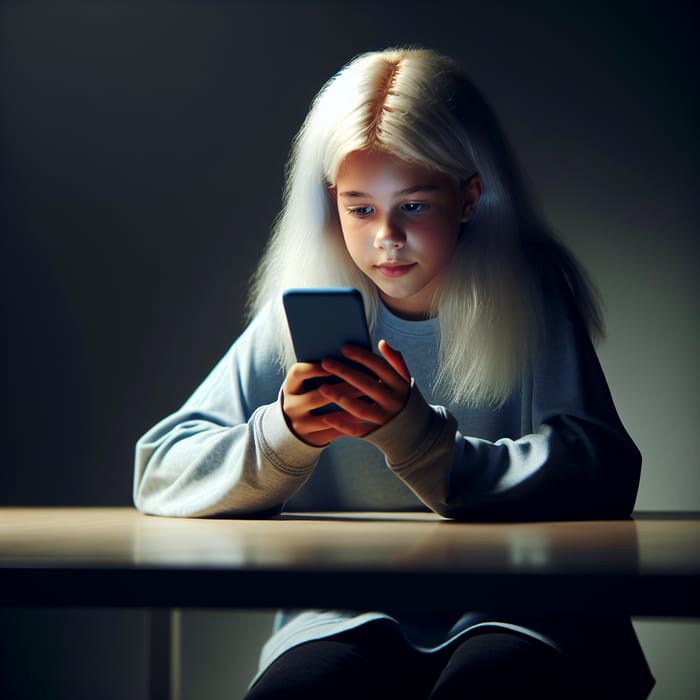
x=375, y=662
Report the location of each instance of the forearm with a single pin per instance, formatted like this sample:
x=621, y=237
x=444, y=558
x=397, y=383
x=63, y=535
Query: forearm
x=198, y=464
x=568, y=468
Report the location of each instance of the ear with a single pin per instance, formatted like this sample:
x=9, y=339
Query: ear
x=471, y=193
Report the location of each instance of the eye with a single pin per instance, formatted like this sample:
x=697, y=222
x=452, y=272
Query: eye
x=360, y=212
x=414, y=207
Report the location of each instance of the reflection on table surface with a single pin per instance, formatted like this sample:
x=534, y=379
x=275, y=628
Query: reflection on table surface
x=376, y=541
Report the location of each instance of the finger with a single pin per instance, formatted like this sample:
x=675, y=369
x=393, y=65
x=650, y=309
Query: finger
x=321, y=438
x=389, y=390
x=378, y=365
x=395, y=359
x=311, y=428
x=297, y=406
x=299, y=372
x=346, y=390
x=345, y=424
x=359, y=380
x=378, y=412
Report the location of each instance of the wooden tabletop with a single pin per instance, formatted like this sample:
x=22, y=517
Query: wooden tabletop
x=119, y=557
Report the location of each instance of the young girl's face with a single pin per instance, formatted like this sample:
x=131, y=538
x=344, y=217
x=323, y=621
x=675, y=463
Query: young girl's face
x=400, y=222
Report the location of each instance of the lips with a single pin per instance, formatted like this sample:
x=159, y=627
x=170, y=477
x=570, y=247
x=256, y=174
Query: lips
x=395, y=269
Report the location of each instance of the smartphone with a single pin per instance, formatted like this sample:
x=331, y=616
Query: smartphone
x=320, y=322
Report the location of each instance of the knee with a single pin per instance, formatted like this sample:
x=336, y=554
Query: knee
x=498, y=665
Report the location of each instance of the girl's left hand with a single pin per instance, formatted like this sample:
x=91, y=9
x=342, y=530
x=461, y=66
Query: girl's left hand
x=388, y=390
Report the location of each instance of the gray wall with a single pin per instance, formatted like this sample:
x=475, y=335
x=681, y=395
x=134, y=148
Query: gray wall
x=142, y=149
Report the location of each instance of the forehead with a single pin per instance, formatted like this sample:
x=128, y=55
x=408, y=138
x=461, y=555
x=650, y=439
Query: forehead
x=367, y=169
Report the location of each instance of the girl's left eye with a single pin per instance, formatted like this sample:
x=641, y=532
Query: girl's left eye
x=414, y=207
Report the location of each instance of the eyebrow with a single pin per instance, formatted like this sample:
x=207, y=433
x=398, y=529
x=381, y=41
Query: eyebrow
x=409, y=190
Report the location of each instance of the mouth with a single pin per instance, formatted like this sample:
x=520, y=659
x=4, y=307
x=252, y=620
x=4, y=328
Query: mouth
x=394, y=269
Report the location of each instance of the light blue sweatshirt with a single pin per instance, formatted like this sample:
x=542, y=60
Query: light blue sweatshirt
x=555, y=450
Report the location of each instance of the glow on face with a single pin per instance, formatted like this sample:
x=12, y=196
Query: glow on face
x=400, y=223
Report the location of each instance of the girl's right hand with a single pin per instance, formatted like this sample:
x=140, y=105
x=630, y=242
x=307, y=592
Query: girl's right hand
x=297, y=404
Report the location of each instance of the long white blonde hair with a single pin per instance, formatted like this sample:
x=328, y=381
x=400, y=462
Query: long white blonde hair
x=419, y=106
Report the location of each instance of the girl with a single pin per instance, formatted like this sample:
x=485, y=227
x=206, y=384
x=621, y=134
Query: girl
x=488, y=401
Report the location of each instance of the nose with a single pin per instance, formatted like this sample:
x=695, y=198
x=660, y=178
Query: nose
x=389, y=236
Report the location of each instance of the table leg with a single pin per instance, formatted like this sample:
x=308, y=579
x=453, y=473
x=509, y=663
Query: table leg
x=163, y=650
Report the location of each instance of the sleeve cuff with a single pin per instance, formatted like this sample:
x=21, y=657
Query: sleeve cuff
x=280, y=445
x=411, y=432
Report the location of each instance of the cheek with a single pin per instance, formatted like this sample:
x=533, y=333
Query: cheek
x=442, y=248
x=347, y=237
x=352, y=245
x=353, y=237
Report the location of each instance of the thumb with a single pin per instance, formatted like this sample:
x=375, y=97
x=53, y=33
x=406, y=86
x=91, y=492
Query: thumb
x=395, y=359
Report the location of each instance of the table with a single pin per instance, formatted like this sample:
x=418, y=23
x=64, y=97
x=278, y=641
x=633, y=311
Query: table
x=647, y=566
x=119, y=557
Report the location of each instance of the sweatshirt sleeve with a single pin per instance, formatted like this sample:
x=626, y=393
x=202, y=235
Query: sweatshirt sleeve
x=578, y=462
x=228, y=449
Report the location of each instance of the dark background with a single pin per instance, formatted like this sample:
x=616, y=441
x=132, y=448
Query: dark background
x=142, y=148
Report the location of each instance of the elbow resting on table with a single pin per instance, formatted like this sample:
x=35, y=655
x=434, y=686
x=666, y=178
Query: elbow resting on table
x=573, y=489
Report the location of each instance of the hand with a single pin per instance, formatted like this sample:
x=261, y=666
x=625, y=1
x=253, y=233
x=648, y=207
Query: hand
x=298, y=402
x=388, y=390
